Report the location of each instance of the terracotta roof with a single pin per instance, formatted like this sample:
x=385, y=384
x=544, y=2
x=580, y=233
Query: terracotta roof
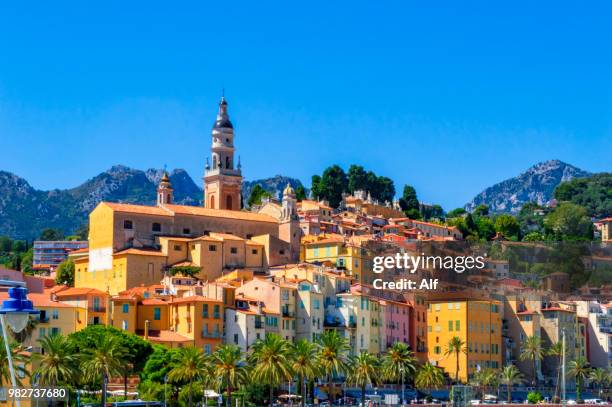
x=195, y=298
x=79, y=291
x=167, y=336
x=153, y=301
x=226, y=236
x=140, y=252
x=131, y=208
x=526, y=312
x=219, y=213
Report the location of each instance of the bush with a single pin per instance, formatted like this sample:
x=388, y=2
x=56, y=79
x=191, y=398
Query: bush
x=533, y=397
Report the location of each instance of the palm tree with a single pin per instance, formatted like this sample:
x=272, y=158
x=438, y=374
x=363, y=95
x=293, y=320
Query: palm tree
x=429, y=377
x=485, y=378
x=304, y=363
x=580, y=370
x=556, y=350
x=229, y=366
x=19, y=362
x=363, y=371
x=57, y=363
x=532, y=350
x=455, y=346
x=105, y=360
x=601, y=377
x=271, y=362
x=510, y=376
x=398, y=362
x=190, y=364
x=332, y=357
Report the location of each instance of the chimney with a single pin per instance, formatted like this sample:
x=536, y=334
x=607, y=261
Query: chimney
x=146, y=329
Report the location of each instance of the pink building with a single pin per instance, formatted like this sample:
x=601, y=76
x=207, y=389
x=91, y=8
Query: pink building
x=397, y=322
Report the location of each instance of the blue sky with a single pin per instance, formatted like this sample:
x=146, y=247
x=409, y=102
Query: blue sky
x=450, y=97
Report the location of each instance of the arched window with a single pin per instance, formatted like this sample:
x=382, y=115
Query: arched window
x=127, y=224
x=227, y=162
x=228, y=202
x=211, y=205
x=156, y=227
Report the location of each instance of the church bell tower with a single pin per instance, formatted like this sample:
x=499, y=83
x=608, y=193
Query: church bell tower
x=222, y=177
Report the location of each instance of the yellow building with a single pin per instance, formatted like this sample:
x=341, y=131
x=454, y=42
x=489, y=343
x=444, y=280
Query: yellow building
x=477, y=323
x=174, y=322
x=91, y=305
x=344, y=254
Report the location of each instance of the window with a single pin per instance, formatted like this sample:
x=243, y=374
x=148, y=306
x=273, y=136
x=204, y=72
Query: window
x=457, y=325
x=127, y=224
x=437, y=350
x=212, y=248
x=236, y=339
x=205, y=311
x=207, y=349
x=55, y=314
x=125, y=308
x=124, y=325
x=156, y=227
x=42, y=332
x=177, y=247
x=186, y=231
x=234, y=250
x=55, y=331
x=216, y=311
x=450, y=325
x=156, y=314
x=254, y=251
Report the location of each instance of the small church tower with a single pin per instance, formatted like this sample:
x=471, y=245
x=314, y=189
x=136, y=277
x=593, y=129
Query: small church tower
x=223, y=178
x=289, y=228
x=164, y=190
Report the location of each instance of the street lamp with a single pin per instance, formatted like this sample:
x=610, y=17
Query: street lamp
x=15, y=312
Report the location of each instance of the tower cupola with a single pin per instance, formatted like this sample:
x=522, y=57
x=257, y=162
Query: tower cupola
x=164, y=190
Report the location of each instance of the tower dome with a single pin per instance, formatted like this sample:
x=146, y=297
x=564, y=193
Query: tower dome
x=288, y=190
x=223, y=120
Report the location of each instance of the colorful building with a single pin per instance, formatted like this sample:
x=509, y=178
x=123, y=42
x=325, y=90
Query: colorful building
x=476, y=322
x=47, y=255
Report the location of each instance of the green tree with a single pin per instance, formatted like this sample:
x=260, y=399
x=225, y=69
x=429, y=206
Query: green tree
x=398, y=363
x=229, y=366
x=429, y=377
x=455, y=213
x=57, y=363
x=300, y=193
x=508, y=226
x=51, y=234
x=65, y=273
x=357, y=179
x=485, y=378
x=601, y=378
x=189, y=366
x=258, y=193
x=363, y=371
x=533, y=237
x=304, y=363
x=332, y=184
x=594, y=193
x=569, y=222
x=333, y=357
x=579, y=369
x=485, y=228
x=532, y=350
x=454, y=347
x=481, y=210
x=20, y=362
x=271, y=362
x=186, y=271
x=510, y=375
x=409, y=202
x=105, y=360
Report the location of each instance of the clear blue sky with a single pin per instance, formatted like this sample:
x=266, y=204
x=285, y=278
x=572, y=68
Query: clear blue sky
x=448, y=98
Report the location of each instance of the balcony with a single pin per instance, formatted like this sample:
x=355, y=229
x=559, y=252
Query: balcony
x=211, y=335
x=288, y=314
x=259, y=325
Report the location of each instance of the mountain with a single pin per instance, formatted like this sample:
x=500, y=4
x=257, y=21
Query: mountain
x=274, y=185
x=537, y=184
x=26, y=211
